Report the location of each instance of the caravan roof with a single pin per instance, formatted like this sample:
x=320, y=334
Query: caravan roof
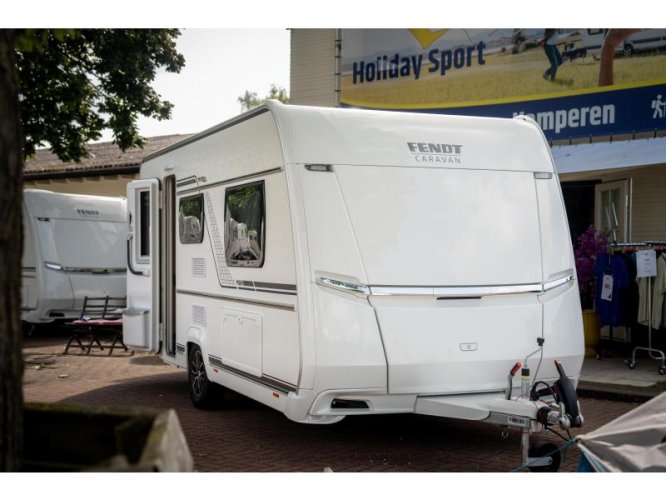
x=313, y=135
x=42, y=203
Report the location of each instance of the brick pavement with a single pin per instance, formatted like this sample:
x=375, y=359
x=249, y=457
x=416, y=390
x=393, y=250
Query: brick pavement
x=244, y=435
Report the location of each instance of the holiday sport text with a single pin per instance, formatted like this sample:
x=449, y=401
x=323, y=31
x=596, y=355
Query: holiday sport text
x=396, y=66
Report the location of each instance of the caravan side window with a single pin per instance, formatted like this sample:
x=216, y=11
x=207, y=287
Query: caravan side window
x=191, y=219
x=244, y=225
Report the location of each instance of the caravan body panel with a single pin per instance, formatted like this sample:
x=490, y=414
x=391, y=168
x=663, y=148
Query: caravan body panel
x=242, y=316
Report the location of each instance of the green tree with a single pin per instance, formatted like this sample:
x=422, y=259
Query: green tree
x=62, y=87
x=251, y=100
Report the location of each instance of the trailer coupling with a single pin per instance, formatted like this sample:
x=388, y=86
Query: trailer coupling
x=539, y=408
x=561, y=408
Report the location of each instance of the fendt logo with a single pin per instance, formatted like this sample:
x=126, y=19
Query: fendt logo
x=429, y=152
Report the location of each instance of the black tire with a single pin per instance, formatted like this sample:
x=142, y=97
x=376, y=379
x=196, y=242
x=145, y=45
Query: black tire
x=628, y=51
x=203, y=393
x=542, y=450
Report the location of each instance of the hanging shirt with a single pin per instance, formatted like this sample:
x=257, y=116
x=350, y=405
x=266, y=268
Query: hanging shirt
x=657, y=297
x=663, y=318
x=630, y=299
x=610, y=311
x=658, y=291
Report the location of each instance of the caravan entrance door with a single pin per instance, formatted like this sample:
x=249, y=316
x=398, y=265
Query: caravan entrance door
x=141, y=320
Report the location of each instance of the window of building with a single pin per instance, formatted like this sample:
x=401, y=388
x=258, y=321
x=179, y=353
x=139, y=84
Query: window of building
x=244, y=225
x=191, y=219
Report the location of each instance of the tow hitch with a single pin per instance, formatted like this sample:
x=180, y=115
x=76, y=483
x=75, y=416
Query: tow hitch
x=539, y=407
x=557, y=405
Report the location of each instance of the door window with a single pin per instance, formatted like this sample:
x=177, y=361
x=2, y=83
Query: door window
x=191, y=219
x=144, y=226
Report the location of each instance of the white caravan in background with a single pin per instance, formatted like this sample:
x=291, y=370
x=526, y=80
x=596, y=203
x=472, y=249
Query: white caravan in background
x=583, y=42
x=73, y=246
x=332, y=262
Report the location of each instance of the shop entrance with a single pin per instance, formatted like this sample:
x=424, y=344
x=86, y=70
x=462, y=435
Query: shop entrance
x=579, y=202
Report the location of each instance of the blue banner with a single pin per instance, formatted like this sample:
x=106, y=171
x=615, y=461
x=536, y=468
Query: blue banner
x=613, y=112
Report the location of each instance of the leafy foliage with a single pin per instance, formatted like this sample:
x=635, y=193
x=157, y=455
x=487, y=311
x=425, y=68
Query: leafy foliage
x=75, y=83
x=251, y=100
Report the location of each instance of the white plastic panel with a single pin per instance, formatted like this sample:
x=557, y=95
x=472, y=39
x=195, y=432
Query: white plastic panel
x=279, y=355
x=438, y=227
x=281, y=350
x=349, y=348
x=89, y=244
x=330, y=237
x=455, y=346
x=563, y=330
x=241, y=341
x=556, y=239
x=364, y=137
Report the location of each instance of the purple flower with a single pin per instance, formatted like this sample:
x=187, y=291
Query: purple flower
x=588, y=245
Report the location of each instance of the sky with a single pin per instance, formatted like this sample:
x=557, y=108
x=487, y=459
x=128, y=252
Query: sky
x=220, y=65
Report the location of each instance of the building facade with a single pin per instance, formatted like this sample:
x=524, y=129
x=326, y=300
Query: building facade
x=105, y=172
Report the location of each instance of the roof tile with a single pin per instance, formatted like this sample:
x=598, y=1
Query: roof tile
x=102, y=156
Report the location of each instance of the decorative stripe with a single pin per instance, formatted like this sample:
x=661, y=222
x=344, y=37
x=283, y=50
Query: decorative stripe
x=269, y=382
x=92, y=270
x=276, y=305
x=234, y=179
x=217, y=362
x=444, y=292
x=186, y=181
x=260, y=284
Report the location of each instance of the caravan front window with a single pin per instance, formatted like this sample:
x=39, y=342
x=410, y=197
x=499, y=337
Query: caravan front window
x=244, y=215
x=190, y=219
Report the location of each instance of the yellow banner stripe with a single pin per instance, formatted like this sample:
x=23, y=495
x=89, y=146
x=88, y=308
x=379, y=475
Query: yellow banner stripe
x=506, y=100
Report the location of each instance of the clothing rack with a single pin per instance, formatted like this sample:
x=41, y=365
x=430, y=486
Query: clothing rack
x=645, y=245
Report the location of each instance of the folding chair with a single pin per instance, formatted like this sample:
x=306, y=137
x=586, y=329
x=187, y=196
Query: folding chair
x=100, y=315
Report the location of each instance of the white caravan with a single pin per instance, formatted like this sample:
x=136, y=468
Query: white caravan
x=73, y=246
x=583, y=42
x=334, y=262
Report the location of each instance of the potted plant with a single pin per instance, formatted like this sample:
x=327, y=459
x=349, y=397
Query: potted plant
x=588, y=245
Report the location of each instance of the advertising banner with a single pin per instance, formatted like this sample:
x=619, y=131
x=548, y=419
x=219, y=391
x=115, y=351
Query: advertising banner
x=573, y=82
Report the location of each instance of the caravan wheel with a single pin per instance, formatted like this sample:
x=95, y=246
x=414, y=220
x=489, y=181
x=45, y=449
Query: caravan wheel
x=203, y=393
x=545, y=449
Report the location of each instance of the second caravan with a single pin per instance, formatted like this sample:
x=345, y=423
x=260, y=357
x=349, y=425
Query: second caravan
x=73, y=247
x=333, y=262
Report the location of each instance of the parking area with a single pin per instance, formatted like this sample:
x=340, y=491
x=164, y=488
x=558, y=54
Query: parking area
x=243, y=435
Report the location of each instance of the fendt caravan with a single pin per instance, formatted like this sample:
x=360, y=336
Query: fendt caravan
x=334, y=262
x=73, y=246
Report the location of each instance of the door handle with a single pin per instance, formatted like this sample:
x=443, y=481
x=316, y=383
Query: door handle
x=130, y=236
